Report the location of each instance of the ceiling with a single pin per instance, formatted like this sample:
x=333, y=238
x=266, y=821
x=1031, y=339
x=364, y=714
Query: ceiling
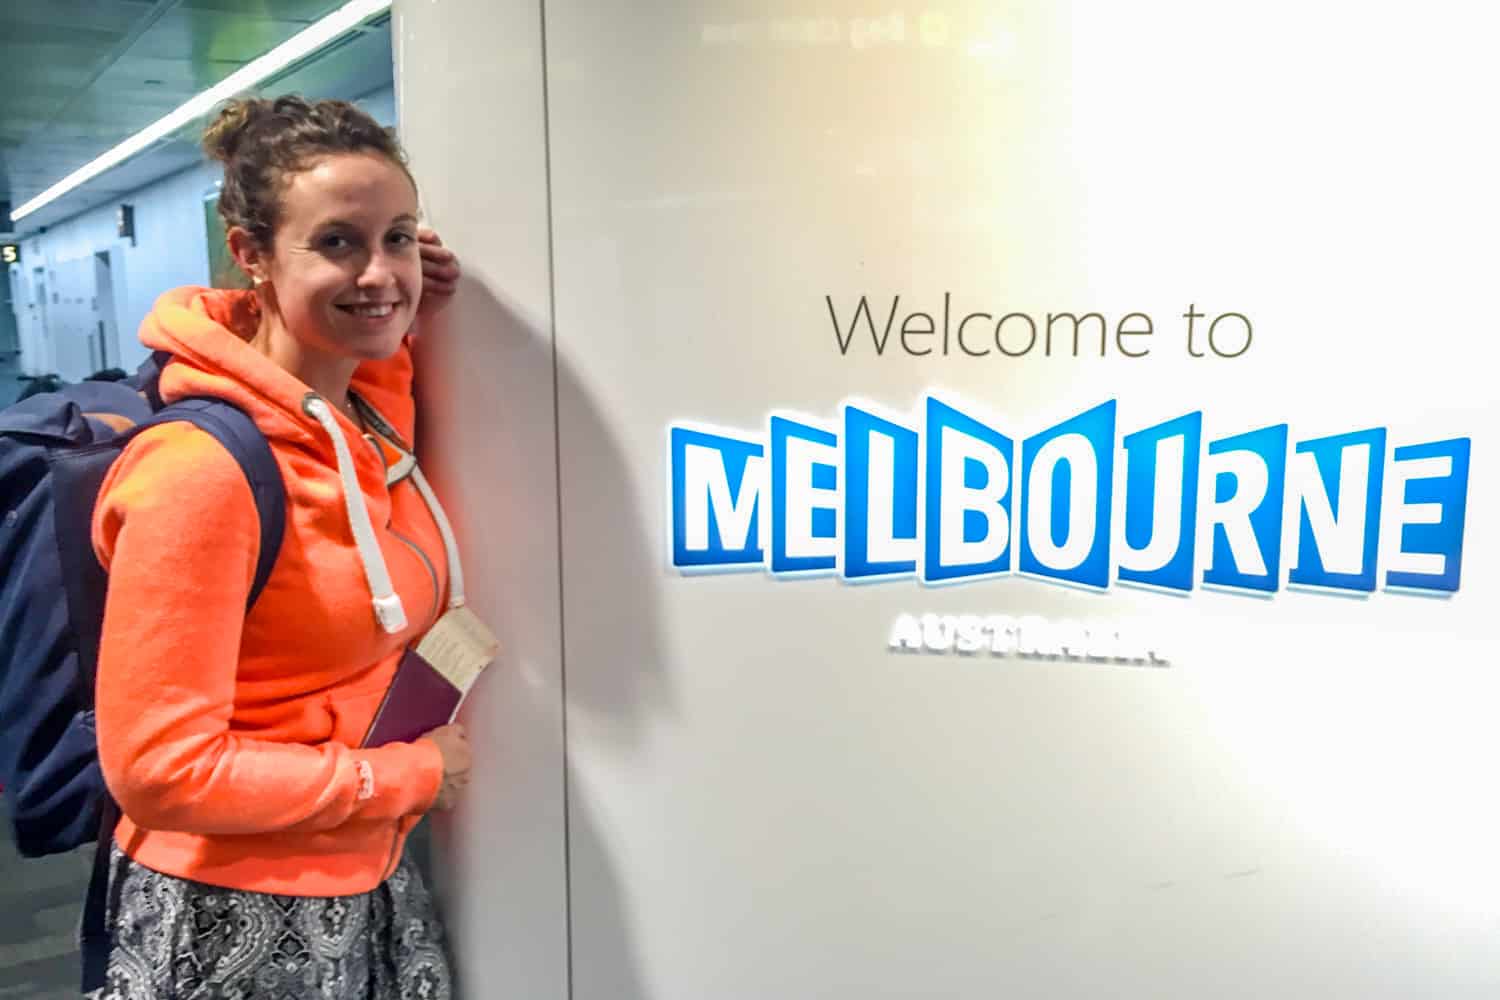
x=79, y=76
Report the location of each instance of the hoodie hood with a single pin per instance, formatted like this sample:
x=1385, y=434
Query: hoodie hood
x=208, y=330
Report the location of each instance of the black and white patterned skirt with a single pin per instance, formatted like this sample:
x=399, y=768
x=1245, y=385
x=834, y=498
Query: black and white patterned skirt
x=182, y=940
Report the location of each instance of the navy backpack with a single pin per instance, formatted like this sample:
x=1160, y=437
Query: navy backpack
x=55, y=450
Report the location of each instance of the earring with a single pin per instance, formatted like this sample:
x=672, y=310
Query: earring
x=256, y=280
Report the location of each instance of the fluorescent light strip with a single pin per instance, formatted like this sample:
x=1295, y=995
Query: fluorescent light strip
x=309, y=40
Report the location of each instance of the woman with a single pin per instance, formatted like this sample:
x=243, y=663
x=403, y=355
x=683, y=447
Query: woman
x=261, y=849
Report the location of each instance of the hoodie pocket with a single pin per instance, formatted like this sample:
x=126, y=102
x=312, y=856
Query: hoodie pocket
x=354, y=709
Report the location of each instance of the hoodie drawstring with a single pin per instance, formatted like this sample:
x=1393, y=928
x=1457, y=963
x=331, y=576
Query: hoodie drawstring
x=450, y=544
x=388, y=609
x=387, y=603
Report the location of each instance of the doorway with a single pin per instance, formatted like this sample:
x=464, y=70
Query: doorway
x=106, y=333
x=37, y=359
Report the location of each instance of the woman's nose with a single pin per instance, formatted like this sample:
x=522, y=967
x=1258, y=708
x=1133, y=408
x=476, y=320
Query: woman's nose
x=377, y=272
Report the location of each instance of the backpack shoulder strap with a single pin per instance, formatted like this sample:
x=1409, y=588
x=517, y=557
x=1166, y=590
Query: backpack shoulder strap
x=147, y=378
x=77, y=474
x=233, y=428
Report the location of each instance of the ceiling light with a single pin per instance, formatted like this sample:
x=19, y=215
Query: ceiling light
x=303, y=43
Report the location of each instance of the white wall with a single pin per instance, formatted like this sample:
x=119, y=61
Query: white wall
x=469, y=78
x=170, y=250
x=766, y=801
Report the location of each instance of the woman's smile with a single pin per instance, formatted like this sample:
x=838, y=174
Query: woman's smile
x=369, y=310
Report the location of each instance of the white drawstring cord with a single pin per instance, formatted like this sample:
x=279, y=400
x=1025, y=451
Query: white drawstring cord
x=450, y=544
x=407, y=465
x=388, y=609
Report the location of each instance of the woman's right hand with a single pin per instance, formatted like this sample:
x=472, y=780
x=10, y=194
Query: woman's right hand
x=453, y=743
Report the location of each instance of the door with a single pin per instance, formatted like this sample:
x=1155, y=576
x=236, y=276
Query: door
x=106, y=325
x=36, y=355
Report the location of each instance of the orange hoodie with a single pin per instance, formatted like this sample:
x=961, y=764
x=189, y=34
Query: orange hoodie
x=230, y=741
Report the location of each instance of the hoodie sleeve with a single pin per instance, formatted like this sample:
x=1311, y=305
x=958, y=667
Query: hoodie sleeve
x=176, y=527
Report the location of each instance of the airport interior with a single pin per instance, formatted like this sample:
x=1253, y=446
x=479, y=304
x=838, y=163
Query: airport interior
x=927, y=501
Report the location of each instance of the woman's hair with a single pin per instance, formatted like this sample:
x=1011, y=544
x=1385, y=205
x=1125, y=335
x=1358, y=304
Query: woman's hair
x=262, y=141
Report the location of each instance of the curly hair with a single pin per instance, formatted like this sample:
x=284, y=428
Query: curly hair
x=261, y=141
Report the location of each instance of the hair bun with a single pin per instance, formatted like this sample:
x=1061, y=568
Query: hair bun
x=226, y=132
x=236, y=121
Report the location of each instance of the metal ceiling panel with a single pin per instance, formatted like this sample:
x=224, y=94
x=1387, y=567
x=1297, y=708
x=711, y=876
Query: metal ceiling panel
x=214, y=36
x=355, y=65
x=79, y=76
x=306, y=11
x=94, y=15
x=37, y=75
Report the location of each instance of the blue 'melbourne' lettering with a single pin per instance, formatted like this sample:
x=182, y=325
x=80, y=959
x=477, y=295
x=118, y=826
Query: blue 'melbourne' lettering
x=1161, y=503
x=716, y=486
x=1430, y=512
x=1249, y=489
x=1338, y=529
x=946, y=498
x=1068, y=475
x=968, y=496
x=880, y=496
x=804, y=497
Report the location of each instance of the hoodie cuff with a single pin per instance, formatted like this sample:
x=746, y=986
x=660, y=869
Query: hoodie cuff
x=402, y=779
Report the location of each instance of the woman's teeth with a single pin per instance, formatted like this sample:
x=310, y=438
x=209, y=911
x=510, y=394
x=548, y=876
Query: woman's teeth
x=372, y=312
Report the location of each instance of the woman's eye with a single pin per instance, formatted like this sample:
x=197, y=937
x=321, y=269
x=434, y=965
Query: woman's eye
x=333, y=241
x=402, y=239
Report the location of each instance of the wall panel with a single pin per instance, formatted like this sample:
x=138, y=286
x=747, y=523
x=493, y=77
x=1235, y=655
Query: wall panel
x=766, y=800
x=1275, y=788
x=469, y=99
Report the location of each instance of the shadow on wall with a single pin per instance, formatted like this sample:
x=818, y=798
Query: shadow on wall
x=490, y=433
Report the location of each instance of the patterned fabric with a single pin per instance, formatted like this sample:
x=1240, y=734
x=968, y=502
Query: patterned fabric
x=182, y=940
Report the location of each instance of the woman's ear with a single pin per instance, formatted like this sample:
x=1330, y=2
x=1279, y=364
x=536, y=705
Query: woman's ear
x=248, y=254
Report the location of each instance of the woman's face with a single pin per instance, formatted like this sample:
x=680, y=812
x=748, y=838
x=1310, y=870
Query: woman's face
x=345, y=275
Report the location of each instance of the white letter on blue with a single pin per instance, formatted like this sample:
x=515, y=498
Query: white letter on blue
x=1245, y=514
x=1338, y=480
x=804, y=497
x=880, y=496
x=716, y=487
x=969, y=492
x=1068, y=476
x=1430, y=516
x=1161, y=503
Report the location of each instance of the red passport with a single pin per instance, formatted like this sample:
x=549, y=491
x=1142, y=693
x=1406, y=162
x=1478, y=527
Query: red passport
x=419, y=700
x=432, y=679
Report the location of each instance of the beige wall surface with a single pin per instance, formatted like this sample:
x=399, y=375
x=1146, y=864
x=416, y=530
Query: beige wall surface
x=469, y=101
x=763, y=799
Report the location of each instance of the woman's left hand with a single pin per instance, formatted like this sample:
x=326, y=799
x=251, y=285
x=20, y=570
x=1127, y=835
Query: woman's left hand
x=440, y=272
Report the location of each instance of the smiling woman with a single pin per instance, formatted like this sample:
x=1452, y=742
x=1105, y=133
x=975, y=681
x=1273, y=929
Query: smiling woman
x=234, y=740
x=321, y=212
x=342, y=282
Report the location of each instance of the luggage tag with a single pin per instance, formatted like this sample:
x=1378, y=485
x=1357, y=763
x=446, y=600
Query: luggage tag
x=458, y=646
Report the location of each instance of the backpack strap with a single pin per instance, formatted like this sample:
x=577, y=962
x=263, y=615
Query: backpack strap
x=95, y=936
x=239, y=435
x=147, y=378
x=78, y=477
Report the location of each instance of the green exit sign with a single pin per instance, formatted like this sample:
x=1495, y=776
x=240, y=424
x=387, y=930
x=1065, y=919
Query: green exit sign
x=10, y=253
